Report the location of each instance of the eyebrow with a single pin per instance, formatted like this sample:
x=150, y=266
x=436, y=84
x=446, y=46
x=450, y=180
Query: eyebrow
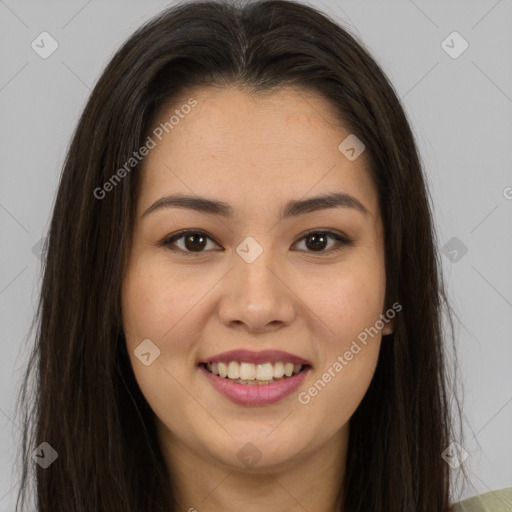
x=293, y=208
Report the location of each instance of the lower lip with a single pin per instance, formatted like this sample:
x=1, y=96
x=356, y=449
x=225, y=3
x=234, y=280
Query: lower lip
x=257, y=394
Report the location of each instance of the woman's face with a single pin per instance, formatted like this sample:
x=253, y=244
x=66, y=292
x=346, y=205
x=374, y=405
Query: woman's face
x=252, y=280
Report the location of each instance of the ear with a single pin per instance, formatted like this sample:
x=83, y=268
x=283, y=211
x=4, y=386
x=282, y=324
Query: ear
x=387, y=318
x=389, y=327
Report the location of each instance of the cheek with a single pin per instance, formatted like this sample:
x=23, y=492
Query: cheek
x=348, y=349
x=348, y=307
x=154, y=307
x=151, y=310
x=344, y=305
x=156, y=302
x=335, y=393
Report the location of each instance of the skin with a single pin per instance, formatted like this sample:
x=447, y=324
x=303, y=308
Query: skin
x=255, y=153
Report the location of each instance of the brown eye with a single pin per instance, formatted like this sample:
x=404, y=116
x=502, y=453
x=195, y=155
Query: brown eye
x=192, y=242
x=316, y=241
x=195, y=242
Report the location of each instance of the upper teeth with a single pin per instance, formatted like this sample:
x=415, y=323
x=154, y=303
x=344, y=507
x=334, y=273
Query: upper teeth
x=250, y=371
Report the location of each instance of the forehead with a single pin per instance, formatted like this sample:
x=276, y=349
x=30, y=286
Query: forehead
x=233, y=144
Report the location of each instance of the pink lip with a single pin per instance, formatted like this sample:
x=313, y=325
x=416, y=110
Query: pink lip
x=266, y=356
x=257, y=394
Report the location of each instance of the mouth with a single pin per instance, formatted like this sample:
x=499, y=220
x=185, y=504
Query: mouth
x=255, y=378
x=251, y=374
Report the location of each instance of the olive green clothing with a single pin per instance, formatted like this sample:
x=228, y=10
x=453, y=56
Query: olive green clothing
x=494, y=501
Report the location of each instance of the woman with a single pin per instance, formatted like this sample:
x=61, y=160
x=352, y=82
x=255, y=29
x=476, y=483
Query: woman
x=241, y=304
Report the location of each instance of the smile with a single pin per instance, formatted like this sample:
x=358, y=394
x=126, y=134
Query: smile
x=255, y=384
x=250, y=373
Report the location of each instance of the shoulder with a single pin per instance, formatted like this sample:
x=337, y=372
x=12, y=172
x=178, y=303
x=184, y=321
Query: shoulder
x=494, y=501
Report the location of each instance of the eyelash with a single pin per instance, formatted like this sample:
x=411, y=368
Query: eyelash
x=340, y=239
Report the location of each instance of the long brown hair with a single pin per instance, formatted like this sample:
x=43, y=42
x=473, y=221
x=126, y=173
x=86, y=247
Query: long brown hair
x=85, y=401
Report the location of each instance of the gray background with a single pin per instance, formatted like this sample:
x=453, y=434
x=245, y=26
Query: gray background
x=460, y=110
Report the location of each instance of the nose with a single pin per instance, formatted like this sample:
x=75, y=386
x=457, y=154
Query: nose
x=256, y=296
